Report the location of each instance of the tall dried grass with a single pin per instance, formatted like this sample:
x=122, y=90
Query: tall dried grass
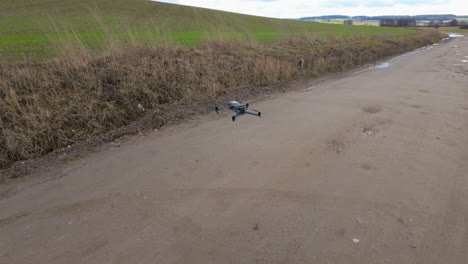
x=50, y=105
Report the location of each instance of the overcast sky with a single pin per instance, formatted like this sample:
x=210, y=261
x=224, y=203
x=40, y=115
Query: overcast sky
x=303, y=8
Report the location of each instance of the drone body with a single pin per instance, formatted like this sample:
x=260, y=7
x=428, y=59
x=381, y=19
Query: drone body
x=239, y=109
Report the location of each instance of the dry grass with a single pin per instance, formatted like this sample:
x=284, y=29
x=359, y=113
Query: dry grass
x=51, y=105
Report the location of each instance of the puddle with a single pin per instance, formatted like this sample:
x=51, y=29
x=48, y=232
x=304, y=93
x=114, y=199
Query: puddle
x=383, y=65
x=464, y=60
x=444, y=70
x=387, y=64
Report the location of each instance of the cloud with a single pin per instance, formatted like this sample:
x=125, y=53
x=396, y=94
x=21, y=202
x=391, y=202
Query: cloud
x=303, y=8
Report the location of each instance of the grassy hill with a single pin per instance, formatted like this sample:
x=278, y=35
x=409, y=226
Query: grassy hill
x=37, y=27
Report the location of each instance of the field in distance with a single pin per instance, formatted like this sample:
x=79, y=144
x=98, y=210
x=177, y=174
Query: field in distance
x=375, y=22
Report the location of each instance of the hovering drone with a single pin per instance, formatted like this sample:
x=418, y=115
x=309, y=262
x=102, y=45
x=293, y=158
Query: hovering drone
x=239, y=109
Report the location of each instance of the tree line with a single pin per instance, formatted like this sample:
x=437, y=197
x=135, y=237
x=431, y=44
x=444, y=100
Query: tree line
x=407, y=22
x=416, y=17
x=430, y=17
x=452, y=23
x=402, y=22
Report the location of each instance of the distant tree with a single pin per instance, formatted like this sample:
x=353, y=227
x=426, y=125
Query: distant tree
x=406, y=22
x=453, y=23
x=348, y=22
x=325, y=17
x=387, y=23
x=436, y=23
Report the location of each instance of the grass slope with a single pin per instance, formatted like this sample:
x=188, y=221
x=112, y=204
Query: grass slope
x=37, y=27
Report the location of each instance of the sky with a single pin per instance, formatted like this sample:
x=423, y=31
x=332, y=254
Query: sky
x=304, y=8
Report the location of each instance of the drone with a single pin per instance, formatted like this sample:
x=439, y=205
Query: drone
x=239, y=109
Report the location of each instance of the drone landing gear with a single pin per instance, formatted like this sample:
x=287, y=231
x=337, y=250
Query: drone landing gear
x=257, y=113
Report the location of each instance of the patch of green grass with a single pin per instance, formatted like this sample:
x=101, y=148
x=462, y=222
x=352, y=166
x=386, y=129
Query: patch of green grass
x=67, y=159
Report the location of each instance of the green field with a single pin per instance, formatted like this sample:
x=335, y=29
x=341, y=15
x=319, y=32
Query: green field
x=38, y=28
x=355, y=22
x=454, y=30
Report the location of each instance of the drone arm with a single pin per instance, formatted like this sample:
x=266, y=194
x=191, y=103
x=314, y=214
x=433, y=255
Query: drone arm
x=217, y=109
x=258, y=113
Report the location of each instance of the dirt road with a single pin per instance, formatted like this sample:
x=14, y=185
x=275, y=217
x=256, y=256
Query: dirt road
x=371, y=168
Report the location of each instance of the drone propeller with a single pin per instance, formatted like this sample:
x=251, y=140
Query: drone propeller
x=254, y=101
x=217, y=109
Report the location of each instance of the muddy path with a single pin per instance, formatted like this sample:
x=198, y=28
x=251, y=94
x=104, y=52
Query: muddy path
x=371, y=168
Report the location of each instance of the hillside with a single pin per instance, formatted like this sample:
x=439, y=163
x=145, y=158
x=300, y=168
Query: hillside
x=31, y=26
